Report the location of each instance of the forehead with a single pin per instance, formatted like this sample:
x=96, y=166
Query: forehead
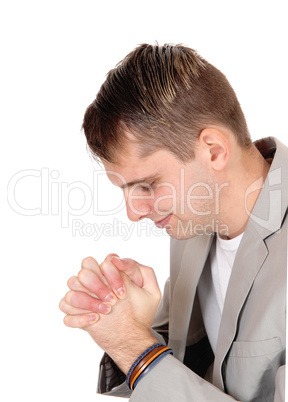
x=129, y=166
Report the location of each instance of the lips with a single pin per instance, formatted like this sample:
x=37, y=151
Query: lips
x=163, y=222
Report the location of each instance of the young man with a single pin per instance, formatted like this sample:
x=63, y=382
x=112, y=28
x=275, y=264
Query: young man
x=170, y=132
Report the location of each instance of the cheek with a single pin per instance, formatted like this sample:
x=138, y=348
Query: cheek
x=165, y=201
x=199, y=199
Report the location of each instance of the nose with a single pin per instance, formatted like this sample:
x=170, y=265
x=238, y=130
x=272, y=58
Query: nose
x=137, y=209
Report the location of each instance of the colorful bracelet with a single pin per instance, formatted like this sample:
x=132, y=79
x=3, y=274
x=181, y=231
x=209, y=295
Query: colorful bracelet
x=139, y=359
x=169, y=351
x=144, y=363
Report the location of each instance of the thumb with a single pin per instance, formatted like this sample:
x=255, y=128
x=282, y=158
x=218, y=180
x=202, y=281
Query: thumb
x=150, y=283
x=140, y=275
x=131, y=268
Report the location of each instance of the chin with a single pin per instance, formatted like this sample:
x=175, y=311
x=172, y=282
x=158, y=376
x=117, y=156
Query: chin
x=179, y=234
x=177, y=237
x=184, y=230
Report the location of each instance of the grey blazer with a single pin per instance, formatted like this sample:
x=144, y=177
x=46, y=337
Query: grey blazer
x=250, y=354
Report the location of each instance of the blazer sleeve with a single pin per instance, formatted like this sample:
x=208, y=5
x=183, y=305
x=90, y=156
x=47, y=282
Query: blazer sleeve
x=171, y=381
x=280, y=385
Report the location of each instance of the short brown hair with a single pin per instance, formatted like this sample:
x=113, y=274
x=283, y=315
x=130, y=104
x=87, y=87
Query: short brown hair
x=165, y=95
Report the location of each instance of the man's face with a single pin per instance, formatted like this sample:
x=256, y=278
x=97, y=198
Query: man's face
x=177, y=196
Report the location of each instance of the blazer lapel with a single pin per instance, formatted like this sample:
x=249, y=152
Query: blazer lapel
x=183, y=293
x=243, y=274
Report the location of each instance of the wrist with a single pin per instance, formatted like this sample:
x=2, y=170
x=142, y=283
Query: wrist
x=126, y=355
x=145, y=362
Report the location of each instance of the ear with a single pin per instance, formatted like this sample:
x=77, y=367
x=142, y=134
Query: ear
x=216, y=146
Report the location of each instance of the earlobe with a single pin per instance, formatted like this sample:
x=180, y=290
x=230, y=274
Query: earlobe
x=217, y=147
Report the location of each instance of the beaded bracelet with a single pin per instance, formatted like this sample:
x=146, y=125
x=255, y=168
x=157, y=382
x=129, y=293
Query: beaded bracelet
x=144, y=362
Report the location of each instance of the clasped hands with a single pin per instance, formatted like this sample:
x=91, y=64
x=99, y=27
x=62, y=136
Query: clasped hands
x=115, y=302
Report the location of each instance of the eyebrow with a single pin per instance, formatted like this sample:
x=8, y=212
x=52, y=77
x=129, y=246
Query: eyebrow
x=138, y=181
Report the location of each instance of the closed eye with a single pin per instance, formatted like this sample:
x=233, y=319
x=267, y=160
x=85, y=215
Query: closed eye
x=146, y=187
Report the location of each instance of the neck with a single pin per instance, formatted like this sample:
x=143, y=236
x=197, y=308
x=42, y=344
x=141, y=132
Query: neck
x=245, y=179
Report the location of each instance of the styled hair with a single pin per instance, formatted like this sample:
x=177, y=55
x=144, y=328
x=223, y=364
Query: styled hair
x=164, y=96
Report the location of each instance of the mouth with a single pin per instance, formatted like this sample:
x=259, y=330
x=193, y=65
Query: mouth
x=163, y=222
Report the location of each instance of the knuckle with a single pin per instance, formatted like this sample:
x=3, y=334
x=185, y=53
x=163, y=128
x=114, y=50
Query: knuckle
x=69, y=296
x=100, y=292
x=87, y=262
x=71, y=281
x=85, y=276
x=82, y=274
x=92, y=305
x=82, y=321
x=128, y=260
x=61, y=304
x=67, y=321
x=105, y=264
x=149, y=270
x=110, y=256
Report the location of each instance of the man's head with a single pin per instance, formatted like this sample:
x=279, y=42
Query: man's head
x=164, y=96
x=171, y=133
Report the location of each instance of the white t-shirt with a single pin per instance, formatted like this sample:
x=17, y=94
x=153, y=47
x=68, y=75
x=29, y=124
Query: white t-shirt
x=213, y=284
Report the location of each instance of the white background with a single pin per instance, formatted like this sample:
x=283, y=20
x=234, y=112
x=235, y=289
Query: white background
x=54, y=58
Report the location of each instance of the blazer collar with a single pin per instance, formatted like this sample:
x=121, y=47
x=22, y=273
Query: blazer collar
x=271, y=206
